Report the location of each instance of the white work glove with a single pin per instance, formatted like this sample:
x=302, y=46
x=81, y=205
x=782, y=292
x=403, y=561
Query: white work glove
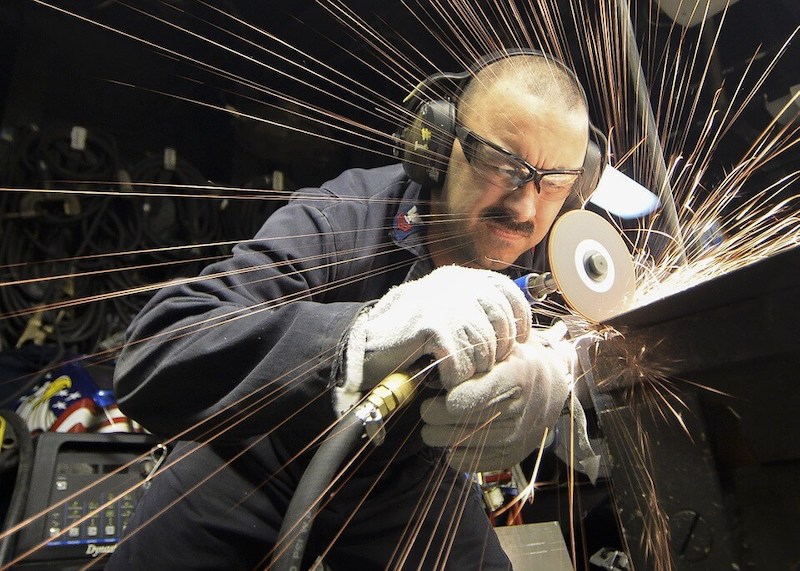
x=466, y=319
x=496, y=419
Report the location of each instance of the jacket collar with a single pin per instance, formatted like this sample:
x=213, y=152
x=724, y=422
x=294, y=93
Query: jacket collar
x=407, y=232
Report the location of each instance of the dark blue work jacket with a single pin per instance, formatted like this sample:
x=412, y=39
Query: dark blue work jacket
x=252, y=345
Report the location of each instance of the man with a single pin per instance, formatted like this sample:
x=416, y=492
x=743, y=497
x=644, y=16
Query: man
x=348, y=282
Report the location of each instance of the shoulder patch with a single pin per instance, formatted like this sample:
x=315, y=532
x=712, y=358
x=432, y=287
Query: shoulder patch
x=406, y=222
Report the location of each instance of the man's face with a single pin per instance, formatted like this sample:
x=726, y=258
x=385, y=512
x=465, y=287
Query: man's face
x=485, y=225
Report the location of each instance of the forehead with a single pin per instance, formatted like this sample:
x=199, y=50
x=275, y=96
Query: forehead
x=513, y=95
x=513, y=115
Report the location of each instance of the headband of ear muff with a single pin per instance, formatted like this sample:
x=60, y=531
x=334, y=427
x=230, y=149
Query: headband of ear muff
x=424, y=142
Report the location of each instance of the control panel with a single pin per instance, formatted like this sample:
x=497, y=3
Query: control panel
x=83, y=492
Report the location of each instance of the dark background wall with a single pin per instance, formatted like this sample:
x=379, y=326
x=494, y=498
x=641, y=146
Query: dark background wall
x=242, y=89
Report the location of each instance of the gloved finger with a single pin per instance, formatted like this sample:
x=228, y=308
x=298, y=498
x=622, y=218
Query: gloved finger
x=487, y=391
x=494, y=433
x=513, y=309
x=470, y=435
x=555, y=338
x=445, y=436
x=520, y=308
x=486, y=338
x=500, y=313
x=464, y=352
x=500, y=316
x=489, y=335
x=435, y=412
x=505, y=309
x=483, y=459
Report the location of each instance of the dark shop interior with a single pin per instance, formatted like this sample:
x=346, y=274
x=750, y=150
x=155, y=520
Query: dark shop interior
x=180, y=286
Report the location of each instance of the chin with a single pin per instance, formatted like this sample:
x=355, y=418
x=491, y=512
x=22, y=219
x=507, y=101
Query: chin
x=494, y=262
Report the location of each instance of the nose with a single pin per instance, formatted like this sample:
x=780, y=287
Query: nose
x=522, y=202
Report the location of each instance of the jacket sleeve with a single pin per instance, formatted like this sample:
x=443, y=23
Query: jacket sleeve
x=248, y=346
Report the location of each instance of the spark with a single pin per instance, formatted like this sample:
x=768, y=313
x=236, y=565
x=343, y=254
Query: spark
x=739, y=230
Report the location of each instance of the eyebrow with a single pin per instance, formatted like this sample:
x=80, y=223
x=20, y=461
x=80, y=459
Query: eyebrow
x=515, y=156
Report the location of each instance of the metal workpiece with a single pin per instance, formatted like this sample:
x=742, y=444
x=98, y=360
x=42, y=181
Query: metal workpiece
x=535, y=546
x=671, y=505
x=696, y=397
x=745, y=315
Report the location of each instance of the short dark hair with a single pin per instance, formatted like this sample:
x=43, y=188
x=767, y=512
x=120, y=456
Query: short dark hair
x=539, y=75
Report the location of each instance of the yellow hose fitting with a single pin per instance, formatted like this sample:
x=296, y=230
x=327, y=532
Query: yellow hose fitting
x=390, y=394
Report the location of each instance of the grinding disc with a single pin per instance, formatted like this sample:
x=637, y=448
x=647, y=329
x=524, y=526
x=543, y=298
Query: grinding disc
x=591, y=265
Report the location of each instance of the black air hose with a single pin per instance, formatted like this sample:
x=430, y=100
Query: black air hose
x=386, y=397
x=293, y=536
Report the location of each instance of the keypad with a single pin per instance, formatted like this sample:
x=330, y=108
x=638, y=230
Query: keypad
x=86, y=518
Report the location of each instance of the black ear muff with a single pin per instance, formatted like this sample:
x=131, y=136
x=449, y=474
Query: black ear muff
x=424, y=140
x=424, y=144
x=593, y=164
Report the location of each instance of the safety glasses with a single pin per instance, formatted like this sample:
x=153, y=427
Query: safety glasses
x=509, y=171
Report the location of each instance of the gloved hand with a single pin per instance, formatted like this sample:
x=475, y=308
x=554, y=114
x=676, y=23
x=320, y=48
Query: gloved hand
x=496, y=419
x=467, y=319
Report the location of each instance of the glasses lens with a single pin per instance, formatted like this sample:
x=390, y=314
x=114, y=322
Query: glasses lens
x=557, y=184
x=495, y=166
x=505, y=170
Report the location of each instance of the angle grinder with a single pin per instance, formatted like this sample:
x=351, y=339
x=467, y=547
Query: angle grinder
x=590, y=265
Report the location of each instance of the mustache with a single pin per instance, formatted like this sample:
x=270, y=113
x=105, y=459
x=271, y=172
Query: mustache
x=505, y=218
